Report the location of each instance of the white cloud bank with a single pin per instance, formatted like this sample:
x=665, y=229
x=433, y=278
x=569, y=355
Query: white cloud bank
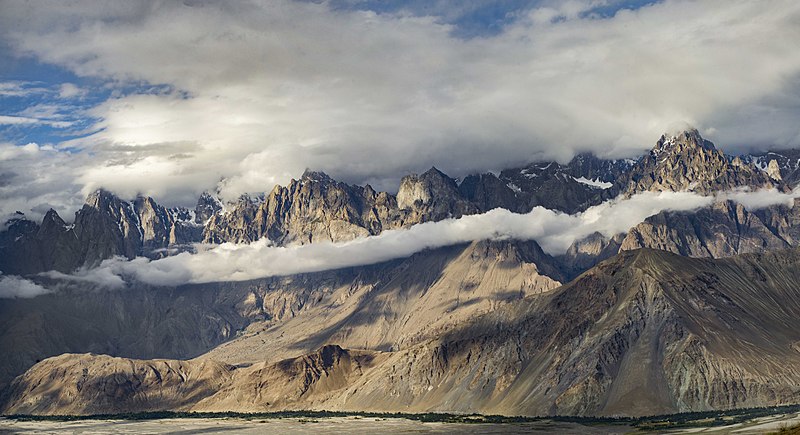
x=554, y=231
x=13, y=287
x=263, y=90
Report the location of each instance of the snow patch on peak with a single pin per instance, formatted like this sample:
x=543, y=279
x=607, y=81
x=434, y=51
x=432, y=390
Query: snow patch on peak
x=514, y=187
x=596, y=183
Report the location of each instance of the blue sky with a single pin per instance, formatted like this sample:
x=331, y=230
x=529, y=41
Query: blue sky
x=480, y=18
x=173, y=98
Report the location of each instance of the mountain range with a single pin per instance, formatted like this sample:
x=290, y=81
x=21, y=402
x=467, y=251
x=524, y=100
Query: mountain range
x=686, y=311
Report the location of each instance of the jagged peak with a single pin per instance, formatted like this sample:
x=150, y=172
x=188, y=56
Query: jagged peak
x=101, y=198
x=434, y=171
x=16, y=220
x=207, y=196
x=52, y=215
x=309, y=175
x=677, y=140
x=142, y=200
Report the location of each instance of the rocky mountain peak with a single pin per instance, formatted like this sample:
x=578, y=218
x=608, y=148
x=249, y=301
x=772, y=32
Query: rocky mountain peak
x=422, y=189
x=686, y=162
x=17, y=228
x=51, y=218
x=774, y=170
x=207, y=206
x=682, y=141
x=101, y=199
x=318, y=176
x=17, y=218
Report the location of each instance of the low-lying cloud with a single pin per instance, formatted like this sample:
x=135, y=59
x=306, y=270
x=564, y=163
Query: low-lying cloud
x=13, y=287
x=554, y=231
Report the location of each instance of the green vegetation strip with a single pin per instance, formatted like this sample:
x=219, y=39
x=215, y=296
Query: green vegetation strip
x=661, y=422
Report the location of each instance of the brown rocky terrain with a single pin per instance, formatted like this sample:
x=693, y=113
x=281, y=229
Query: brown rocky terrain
x=645, y=332
x=381, y=306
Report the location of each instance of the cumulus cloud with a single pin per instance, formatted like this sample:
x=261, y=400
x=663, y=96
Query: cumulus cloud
x=12, y=287
x=257, y=91
x=34, y=178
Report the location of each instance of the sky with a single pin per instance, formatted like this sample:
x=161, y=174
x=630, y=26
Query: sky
x=171, y=98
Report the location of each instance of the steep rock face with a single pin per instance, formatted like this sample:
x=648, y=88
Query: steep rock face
x=550, y=185
x=432, y=196
x=646, y=332
x=314, y=208
x=570, y=188
x=318, y=208
x=686, y=161
x=207, y=206
x=591, y=167
x=104, y=227
x=721, y=230
x=488, y=192
x=30, y=248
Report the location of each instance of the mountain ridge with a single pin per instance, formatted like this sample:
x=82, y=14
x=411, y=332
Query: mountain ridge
x=318, y=208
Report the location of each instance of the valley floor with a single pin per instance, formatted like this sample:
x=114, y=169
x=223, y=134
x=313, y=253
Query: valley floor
x=355, y=424
x=335, y=425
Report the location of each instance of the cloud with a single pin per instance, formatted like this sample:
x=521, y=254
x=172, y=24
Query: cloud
x=19, y=89
x=70, y=90
x=261, y=90
x=554, y=231
x=754, y=200
x=34, y=178
x=15, y=120
x=12, y=287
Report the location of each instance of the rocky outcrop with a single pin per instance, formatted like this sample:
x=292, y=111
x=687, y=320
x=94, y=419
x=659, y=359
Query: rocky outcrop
x=431, y=196
x=114, y=385
x=207, y=206
x=721, y=230
x=570, y=188
x=318, y=208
